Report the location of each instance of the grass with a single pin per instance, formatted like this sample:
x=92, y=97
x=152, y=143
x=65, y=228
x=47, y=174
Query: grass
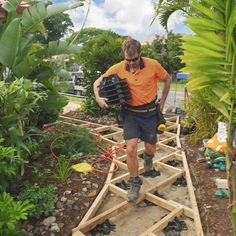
x=74, y=99
x=179, y=87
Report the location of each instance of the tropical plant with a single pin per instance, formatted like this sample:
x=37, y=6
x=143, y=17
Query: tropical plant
x=21, y=60
x=21, y=57
x=210, y=57
x=63, y=168
x=41, y=197
x=10, y=166
x=165, y=8
x=11, y=212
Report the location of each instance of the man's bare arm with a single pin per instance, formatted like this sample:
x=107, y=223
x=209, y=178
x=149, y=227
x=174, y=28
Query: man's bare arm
x=165, y=91
x=101, y=101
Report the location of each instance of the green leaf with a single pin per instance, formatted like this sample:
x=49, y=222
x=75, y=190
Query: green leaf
x=11, y=5
x=58, y=8
x=35, y=14
x=206, y=43
x=203, y=24
x=217, y=4
x=61, y=47
x=217, y=17
x=9, y=43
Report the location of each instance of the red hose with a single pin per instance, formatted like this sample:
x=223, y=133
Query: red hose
x=106, y=154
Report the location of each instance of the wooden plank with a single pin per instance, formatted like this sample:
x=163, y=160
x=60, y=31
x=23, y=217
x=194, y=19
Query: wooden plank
x=172, y=127
x=114, y=211
x=197, y=219
x=122, y=165
x=168, y=167
x=166, y=147
x=118, y=191
x=172, y=118
x=169, y=204
x=111, y=135
x=96, y=204
x=187, y=211
x=160, y=225
x=77, y=120
x=160, y=201
x=165, y=183
x=167, y=140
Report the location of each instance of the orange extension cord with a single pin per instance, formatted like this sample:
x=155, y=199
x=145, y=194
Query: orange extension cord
x=106, y=154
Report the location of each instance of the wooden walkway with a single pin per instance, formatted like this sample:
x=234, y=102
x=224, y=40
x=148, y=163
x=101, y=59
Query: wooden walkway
x=173, y=201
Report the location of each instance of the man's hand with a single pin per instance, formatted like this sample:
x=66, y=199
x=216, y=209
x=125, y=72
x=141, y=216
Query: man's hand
x=102, y=102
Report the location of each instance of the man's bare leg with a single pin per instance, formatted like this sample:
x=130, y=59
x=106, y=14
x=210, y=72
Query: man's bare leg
x=132, y=162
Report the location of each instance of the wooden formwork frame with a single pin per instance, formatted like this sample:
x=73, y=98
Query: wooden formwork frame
x=89, y=221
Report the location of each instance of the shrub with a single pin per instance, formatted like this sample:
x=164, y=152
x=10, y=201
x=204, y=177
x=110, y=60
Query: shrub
x=10, y=164
x=41, y=197
x=11, y=212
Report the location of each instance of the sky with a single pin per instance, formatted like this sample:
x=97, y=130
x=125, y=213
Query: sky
x=125, y=17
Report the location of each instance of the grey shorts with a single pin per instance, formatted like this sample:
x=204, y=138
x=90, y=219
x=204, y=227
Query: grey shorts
x=140, y=125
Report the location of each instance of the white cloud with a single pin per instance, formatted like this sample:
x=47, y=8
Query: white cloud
x=130, y=17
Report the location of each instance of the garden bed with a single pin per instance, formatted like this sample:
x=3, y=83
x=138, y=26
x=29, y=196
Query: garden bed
x=77, y=193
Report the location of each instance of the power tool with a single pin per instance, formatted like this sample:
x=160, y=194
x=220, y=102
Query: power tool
x=160, y=121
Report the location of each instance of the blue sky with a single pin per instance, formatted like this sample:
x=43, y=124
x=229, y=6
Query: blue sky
x=125, y=17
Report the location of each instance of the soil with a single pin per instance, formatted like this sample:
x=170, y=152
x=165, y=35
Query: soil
x=213, y=211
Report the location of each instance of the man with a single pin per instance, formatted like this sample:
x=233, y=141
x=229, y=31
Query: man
x=140, y=115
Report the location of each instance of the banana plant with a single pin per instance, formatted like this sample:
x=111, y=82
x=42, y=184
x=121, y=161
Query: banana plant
x=17, y=52
x=210, y=57
x=22, y=59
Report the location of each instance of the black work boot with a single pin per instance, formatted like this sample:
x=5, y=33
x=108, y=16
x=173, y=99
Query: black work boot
x=135, y=185
x=147, y=162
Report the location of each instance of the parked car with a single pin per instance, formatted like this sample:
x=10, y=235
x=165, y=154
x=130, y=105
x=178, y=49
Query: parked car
x=72, y=84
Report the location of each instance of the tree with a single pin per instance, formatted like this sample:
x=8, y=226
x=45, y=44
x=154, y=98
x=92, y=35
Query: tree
x=57, y=26
x=96, y=56
x=167, y=50
x=210, y=57
x=86, y=35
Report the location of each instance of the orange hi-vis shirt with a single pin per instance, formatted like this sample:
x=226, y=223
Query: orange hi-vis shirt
x=143, y=82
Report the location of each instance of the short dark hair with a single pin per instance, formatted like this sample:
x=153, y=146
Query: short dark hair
x=131, y=46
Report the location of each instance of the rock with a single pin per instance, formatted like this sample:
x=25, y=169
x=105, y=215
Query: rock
x=48, y=221
x=29, y=227
x=70, y=202
x=95, y=185
x=55, y=228
x=63, y=199
x=92, y=194
x=76, y=208
x=56, y=212
x=86, y=204
x=67, y=192
x=59, y=205
x=61, y=225
x=84, y=189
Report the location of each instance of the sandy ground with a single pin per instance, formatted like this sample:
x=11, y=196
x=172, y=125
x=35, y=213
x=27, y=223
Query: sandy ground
x=71, y=106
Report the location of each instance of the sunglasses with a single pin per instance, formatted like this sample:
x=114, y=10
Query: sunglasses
x=133, y=59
